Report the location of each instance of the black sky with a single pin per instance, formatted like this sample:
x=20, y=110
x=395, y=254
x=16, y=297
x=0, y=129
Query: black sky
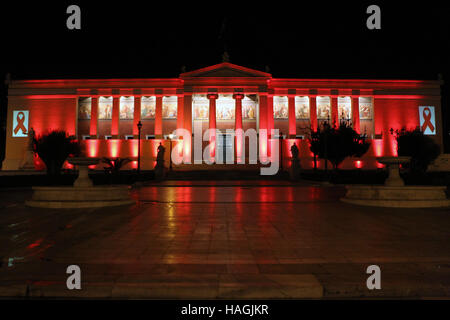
x=299, y=39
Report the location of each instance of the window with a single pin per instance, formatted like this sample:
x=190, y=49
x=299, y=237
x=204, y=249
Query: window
x=150, y=136
x=108, y=137
x=129, y=137
x=86, y=137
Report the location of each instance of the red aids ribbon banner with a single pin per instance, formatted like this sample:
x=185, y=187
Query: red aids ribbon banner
x=427, y=120
x=20, y=123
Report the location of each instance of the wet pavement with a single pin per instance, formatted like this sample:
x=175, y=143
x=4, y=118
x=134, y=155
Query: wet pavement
x=230, y=239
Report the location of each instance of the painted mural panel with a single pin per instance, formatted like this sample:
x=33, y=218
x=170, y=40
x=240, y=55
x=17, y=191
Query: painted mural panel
x=249, y=106
x=302, y=108
x=84, y=108
x=280, y=107
x=201, y=107
x=344, y=108
x=105, y=108
x=169, y=107
x=126, y=109
x=225, y=107
x=323, y=108
x=148, y=108
x=365, y=108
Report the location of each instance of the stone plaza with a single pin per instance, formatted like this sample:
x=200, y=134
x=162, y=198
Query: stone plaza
x=224, y=240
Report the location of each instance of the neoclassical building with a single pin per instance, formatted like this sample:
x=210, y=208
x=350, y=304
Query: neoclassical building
x=104, y=114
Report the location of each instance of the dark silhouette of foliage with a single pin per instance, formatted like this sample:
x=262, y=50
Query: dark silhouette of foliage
x=54, y=148
x=421, y=148
x=115, y=164
x=336, y=144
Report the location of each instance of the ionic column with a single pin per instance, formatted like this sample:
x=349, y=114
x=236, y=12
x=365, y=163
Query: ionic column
x=115, y=118
x=238, y=125
x=94, y=118
x=212, y=122
x=355, y=113
x=137, y=115
x=334, y=111
x=158, y=117
x=270, y=122
x=262, y=133
x=313, y=112
x=180, y=112
x=292, y=128
x=187, y=125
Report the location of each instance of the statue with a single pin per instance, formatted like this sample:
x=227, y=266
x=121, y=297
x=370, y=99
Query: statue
x=225, y=57
x=294, y=172
x=28, y=158
x=294, y=151
x=159, y=167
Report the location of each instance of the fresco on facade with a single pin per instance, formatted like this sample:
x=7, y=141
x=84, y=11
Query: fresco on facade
x=249, y=108
x=84, y=108
x=365, y=108
x=344, y=108
x=301, y=108
x=105, y=108
x=280, y=107
x=169, y=107
x=148, y=108
x=126, y=109
x=201, y=108
x=225, y=108
x=323, y=108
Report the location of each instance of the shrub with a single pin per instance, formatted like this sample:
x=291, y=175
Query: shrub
x=421, y=148
x=114, y=165
x=54, y=147
x=336, y=144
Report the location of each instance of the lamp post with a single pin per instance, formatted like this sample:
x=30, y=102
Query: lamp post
x=170, y=151
x=139, y=125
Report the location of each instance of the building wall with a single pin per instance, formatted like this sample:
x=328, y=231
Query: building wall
x=44, y=115
x=53, y=105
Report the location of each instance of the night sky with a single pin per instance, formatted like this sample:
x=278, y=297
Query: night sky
x=294, y=39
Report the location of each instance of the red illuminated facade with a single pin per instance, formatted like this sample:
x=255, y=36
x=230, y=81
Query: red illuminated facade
x=103, y=114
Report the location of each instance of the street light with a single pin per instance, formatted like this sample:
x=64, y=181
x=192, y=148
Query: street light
x=139, y=126
x=170, y=152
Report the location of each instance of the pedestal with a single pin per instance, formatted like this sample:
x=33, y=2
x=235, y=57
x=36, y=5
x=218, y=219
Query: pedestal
x=159, y=170
x=394, y=179
x=83, y=179
x=294, y=170
x=28, y=161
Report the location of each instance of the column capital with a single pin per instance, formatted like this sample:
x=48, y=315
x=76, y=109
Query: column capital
x=212, y=96
x=238, y=96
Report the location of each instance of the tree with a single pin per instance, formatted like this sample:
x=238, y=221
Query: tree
x=336, y=144
x=421, y=148
x=115, y=164
x=54, y=147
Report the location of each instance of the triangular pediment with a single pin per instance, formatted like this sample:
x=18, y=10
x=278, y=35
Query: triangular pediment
x=225, y=70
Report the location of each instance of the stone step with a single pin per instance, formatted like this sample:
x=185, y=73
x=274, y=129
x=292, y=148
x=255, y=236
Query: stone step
x=174, y=286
